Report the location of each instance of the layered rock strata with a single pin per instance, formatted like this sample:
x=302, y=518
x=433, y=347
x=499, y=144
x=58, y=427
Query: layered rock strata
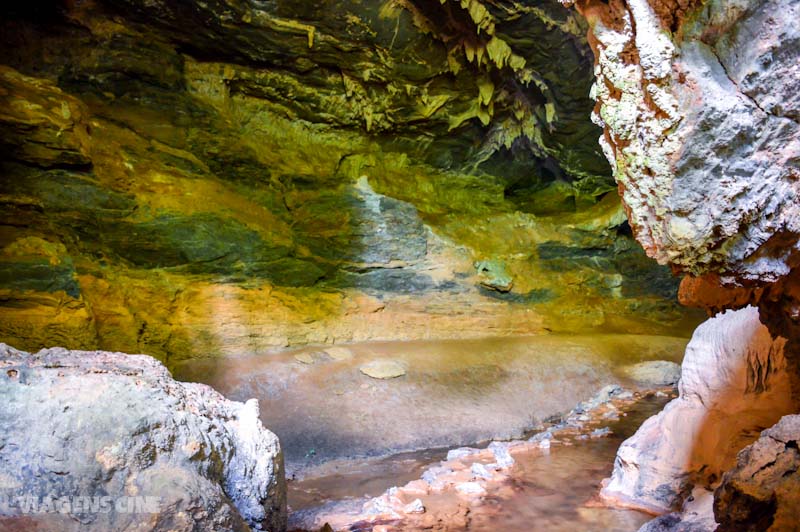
x=382, y=170
x=762, y=490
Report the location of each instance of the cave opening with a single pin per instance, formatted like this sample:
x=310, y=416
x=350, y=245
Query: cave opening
x=392, y=264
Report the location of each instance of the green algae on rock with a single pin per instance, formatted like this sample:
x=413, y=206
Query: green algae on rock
x=305, y=175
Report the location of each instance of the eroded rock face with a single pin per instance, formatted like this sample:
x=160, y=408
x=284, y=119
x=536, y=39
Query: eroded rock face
x=98, y=424
x=761, y=492
x=734, y=383
x=283, y=174
x=700, y=113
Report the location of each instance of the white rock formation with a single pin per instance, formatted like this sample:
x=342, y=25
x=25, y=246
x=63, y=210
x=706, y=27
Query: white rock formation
x=702, y=126
x=734, y=383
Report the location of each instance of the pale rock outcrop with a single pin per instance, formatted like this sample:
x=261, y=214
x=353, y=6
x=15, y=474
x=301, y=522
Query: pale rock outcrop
x=761, y=492
x=734, y=383
x=701, y=126
x=81, y=425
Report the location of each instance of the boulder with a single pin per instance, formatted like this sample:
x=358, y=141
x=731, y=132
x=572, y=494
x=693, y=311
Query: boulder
x=762, y=492
x=114, y=430
x=654, y=372
x=700, y=112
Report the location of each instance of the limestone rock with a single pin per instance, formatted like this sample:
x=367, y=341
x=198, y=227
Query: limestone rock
x=314, y=176
x=383, y=369
x=700, y=113
x=654, y=372
x=734, y=382
x=696, y=515
x=470, y=488
x=762, y=492
x=99, y=424
x=304, y=358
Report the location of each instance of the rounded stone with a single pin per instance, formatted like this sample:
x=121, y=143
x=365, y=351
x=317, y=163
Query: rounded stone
x=654, y=372
x=383, y=369
x=339, y=353
x=304, y=358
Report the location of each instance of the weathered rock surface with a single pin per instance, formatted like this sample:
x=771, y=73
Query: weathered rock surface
x=46, y=129
x=735, y=382
x=696, y=515
x=453, y=393
x=762, y=491
x=383, y=369
x=698, y=101
x=654, y=372
x=343, y=168
x=700, y=113
x=97, y=424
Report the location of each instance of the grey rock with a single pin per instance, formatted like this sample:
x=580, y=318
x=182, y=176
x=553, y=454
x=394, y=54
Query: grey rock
x=94, y=424
x=654, y=372
x=479, y=470
x=502, y=457
x=762, y=492
x=470, y=488
x=672, y=522
x=432, y=474
x=461, y=452
x=600, y=398
x=600, y=433
x=414, y=507
x=493, y=275
x=703, y=132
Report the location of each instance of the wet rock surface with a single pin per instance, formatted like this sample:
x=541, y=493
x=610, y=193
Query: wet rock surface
x=654, y=373
x=553, y=487
x=165, y=455
x=452, y=392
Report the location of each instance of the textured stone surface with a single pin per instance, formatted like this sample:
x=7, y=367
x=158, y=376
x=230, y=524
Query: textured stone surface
x=654, y=373
x=696, y=515
x=284, y=174
x=39, y=123
x=762, y=491
x=98, y=424
x=700, y=112
x=383, y=369
x=454, y=392
x=735, y=381
x=701, y=127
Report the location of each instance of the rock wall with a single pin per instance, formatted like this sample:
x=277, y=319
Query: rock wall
x=698, y=103
x=700, y=115
x=701, y=125
x=284, y=174
x=91, y=428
